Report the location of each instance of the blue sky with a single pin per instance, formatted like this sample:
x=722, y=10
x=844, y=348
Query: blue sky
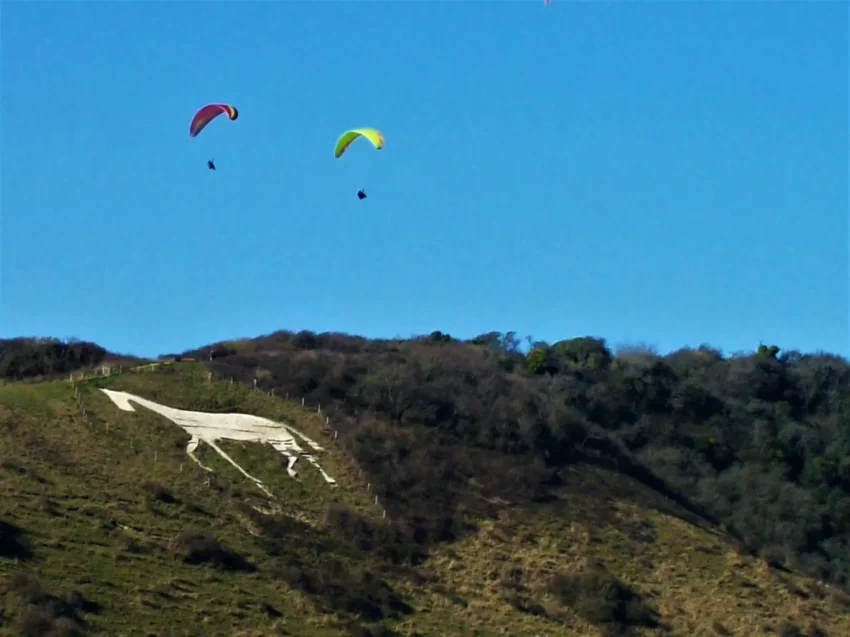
x=659, y=172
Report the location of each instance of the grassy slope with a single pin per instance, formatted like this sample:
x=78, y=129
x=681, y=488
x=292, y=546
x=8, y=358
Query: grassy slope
x=76, y=490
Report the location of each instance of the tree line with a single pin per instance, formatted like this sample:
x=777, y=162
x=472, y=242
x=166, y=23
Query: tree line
x=22, y=358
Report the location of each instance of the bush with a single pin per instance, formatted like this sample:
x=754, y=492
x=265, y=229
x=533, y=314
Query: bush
x=360, y=592
x=44, y=615
x=600, y=598
x=198, y=548
x=159, y=492
x=787, y=629
x=390, y=543
x=12, y=544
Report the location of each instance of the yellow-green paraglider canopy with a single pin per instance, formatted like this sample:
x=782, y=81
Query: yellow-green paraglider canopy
x=349, y=136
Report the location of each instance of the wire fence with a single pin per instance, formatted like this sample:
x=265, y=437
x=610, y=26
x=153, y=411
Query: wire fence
x=107, y=371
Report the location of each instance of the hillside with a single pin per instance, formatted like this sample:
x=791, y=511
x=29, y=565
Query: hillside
x=759, y=441
x=564, y=491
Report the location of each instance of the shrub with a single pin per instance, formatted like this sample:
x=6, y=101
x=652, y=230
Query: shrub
x=12, y=544
x=198, y=548
x=44, y=615
x=600, y=598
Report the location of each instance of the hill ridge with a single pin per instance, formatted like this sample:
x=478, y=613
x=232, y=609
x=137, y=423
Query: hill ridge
x=477, y=540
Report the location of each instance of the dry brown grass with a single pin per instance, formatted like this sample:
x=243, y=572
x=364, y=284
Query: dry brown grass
x=699, y=584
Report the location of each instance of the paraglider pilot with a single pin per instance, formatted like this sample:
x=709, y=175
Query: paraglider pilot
x=361, y=195
x=210, y=164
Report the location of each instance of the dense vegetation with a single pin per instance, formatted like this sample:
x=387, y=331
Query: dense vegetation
x=22, y=358
x=759, y=442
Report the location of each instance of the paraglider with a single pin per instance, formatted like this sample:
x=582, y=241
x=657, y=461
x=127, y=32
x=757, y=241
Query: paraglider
x=345, y=140
x=349, y=136
x=205, y=115
x=208, y=113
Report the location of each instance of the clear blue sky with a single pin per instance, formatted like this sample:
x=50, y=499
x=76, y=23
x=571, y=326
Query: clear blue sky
x=672, y=173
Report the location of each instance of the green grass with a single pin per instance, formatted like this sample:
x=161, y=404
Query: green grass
x=106, y=507
x=78, y=490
